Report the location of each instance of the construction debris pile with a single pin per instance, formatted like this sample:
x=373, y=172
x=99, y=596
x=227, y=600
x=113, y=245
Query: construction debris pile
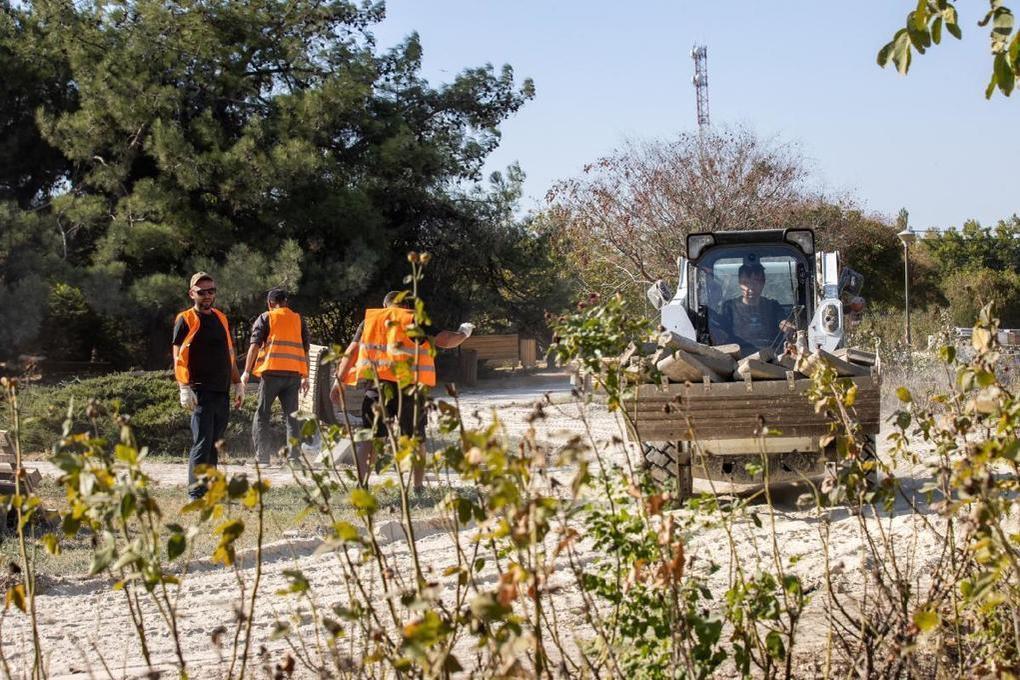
x=679, y=359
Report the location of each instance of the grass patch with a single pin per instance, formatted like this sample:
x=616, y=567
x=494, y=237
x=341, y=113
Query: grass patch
x=149, y=398
x=282, y=520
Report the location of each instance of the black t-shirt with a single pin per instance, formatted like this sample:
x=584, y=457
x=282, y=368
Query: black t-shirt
x=753, y=326
x=209, y=354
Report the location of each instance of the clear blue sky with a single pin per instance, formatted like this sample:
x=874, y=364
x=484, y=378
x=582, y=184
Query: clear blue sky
x=800, y=71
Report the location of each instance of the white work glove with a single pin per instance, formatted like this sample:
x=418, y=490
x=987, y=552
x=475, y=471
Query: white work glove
x=467, y=329
x=245, y=377
x=188, y=399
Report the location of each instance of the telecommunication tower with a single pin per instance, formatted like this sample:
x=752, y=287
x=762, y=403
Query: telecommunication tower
x=699, y=53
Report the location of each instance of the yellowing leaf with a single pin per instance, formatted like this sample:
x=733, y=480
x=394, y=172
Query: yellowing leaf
x=364, y=501
x=52, y=544
x=345, y=531
x=981, y=339
x=16, y=596
x=926, y=620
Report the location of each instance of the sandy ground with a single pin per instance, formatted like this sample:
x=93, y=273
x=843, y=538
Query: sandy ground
x=84, y=620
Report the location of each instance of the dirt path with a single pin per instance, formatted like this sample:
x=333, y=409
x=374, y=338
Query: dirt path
x=83, y=620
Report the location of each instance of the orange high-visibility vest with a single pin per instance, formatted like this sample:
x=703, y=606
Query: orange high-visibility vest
x=350, y=375
x=385, y=351
x=283, y=349
x=190, y=316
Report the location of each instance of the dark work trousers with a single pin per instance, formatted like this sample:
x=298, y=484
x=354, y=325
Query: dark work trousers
x=208, y=423
x=272, y=387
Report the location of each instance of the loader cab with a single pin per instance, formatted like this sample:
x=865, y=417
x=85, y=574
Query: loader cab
x=754, y=295
x=709, y=302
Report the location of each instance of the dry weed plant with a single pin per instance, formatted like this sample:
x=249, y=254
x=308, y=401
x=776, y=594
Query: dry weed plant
x=542, y=532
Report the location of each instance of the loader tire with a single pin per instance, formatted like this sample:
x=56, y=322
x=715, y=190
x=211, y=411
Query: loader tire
x=660, y=460
x=669, y=465
x=870, y=452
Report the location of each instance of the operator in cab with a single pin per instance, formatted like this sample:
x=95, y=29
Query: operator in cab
x=752, y=320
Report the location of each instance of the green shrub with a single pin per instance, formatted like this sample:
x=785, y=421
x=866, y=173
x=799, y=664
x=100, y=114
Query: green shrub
x=970, y=290
x=150, y=398
x=885, y=325
x=69, y=331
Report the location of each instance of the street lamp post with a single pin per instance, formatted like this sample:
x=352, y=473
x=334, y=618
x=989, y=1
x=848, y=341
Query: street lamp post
x=907, y=237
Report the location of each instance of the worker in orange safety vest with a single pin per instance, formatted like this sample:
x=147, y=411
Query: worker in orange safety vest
x=278, y=356
x=396, y=358
x=205, y=368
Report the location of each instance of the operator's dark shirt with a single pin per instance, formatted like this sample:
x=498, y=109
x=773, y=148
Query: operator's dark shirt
x=260, y=333
x=752, y=326
x=209, y=354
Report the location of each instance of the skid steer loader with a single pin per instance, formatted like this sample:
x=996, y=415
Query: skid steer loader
x=727, y=419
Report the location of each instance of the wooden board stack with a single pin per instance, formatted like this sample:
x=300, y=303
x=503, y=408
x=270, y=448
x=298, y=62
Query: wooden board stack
x=8, y=460
x=681, y=359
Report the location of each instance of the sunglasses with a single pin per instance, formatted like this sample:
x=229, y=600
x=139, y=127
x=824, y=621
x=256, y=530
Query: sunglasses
x=202, y=292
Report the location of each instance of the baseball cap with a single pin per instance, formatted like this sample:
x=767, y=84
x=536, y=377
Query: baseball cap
x=199, y=276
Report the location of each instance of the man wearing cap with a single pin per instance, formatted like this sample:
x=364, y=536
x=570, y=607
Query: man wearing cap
x=278, y=355
x=205, y=368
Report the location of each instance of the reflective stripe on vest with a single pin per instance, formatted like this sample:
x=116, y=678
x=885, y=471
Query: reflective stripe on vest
x=283, y=349
x=190, y=316
x=385, y=351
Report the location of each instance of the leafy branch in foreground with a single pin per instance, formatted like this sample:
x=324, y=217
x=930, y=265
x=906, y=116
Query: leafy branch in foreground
x=924, y=28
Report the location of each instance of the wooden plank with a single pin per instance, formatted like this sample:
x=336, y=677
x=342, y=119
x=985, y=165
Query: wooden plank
x=721, y=414
x=856, y=356
x=494, y=346
x=684, y=364
x=729, y=410
x=677, y=411
x=795, y=404
x=29, y=481
x=645, y=349
x=758, y=370
x=787, y=361
x=743, y=430
x=705, y=421
x=752, y=396
x=677, y=369
x=714, y=428
x=812, y=363
x=764, y=390
x=724, y=367
x=770, y=387
x=732, y=350
x=714, y=422
x=674, y=341
x=528, y=351
x=705, y=418
x=765, y=355
x=306, y=400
